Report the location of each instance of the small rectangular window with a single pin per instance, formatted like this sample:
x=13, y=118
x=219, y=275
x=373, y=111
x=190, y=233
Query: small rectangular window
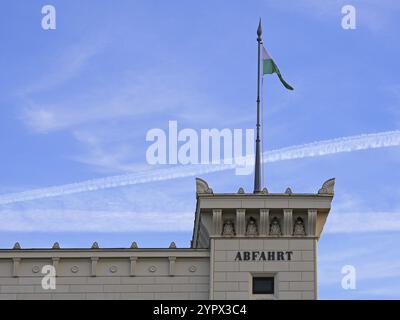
x=263, y=285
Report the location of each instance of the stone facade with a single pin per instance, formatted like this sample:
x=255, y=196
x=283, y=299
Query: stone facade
x=295, y=279
x=106, y=274
x=237, y=239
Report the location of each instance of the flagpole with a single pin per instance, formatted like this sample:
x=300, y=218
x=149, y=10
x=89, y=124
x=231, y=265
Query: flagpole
x=257, y=174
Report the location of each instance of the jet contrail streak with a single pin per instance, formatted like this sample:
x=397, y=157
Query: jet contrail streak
x=320, y=148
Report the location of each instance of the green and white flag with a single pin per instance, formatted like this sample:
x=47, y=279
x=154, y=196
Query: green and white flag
x=269, y=67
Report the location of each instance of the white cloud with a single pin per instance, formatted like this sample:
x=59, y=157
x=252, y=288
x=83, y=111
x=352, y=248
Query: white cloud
x=93, y=221
x=349, y=215
x=155, y=92
x=343, y=255
x=65, y=67
x=386, y=291
x=107, y=156
x=393, y=92
x=355, y=222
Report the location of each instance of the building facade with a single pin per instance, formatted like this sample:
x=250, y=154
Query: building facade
x=244, y=246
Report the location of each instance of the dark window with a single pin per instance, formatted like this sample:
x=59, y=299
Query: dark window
x=263, y=285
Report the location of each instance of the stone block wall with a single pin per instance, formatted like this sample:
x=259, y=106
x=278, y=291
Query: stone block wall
x=163, y=274
x=294, y=279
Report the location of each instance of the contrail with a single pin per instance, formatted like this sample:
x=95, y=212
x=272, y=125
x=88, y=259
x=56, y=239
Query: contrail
x=315, y=149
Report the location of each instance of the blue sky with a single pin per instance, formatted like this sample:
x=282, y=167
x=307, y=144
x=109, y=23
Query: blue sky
x=76, y=104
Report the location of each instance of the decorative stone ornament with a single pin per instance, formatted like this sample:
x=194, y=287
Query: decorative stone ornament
x=56, y=245
x=264, y=191
x=95, y=245
x=134, y=245
x=275, y=227
x=241, y=191
x=36, y=269
x=228, y=228
x=17, y=246
x=328, y=187
x=153, y=269
x=202, y=187
x=172, y=245
x=113, y=269
x=288, y=191
x=298, y=229
x=251, y=229
x=192, y=269
x=74, y=269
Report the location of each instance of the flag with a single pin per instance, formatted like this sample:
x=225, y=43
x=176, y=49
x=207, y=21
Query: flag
x=269, y=67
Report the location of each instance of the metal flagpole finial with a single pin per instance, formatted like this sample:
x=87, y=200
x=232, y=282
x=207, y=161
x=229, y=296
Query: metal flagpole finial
x=259, y=30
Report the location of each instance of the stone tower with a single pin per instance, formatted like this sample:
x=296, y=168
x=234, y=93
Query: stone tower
x=262, y=246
